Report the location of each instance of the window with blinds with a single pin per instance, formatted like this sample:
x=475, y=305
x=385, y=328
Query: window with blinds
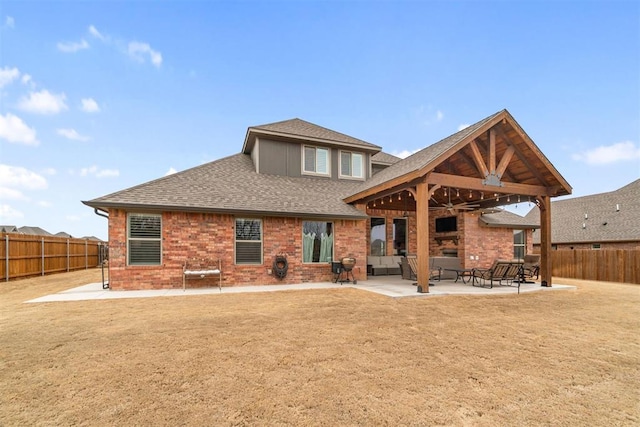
x=351, y=165
x=248, y=241
x=315, y=160
x=144, y=239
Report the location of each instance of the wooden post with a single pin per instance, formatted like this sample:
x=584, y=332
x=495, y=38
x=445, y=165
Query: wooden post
x=6, y=254
x=42, y=250
x=422, y=231
x=545, y=240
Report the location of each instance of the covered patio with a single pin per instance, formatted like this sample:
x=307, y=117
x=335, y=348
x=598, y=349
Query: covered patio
x=486, y=165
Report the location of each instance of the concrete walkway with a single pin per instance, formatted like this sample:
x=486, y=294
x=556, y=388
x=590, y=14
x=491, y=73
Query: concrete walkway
x=391, y=286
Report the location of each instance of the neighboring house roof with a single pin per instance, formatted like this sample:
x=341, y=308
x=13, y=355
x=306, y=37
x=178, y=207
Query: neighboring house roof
x=298, y=129
x=506, y=219
x=603, y=222
x=8, y=229
x=34, y=231
x=230, y=185
x=63, y=234
x=383, y=158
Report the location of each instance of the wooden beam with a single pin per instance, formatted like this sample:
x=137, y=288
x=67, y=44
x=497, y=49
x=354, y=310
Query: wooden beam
x=545, y=240
x=422, y=233
x=492, y=151
x=504, y=161
x=477, y=184
x=477, y=158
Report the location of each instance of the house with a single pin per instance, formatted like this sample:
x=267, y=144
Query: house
x=316, y=195
x=36, y=231
x=598, y=221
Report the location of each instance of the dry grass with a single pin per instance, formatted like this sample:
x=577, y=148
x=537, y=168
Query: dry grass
x=326, y=357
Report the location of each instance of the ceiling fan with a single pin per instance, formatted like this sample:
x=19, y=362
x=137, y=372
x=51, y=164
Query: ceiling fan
x=451, y=208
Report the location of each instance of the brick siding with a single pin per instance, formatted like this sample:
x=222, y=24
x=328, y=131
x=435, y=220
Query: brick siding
x=198, y=235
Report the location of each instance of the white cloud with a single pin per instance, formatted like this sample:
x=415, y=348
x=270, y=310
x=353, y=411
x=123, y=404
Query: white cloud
x=7, y=75
x=439, y=116
x=607, y=154
x=99, y=173
x=44, y=204
x=7, y=213
x=11, y=194
x=49, y=171
x=171, y=171
x=13, y=129
x=89, y=105
x=27, y=80
x=95, y=33
x=106, y=173
x=139, y=51
x=72, y=47
x=463, y=126
x=9, y=22
x=405, y=153
x=43, y=102
x=19, y=177
x=72, y=134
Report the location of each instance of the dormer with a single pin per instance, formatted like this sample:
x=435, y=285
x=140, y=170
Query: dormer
x=297, y=148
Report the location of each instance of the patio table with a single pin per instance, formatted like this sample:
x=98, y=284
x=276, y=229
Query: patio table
x=462, y=273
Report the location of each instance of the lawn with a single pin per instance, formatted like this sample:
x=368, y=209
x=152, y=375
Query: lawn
x=327, y=357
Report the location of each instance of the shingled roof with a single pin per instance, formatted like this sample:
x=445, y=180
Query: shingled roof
x=610, y=217
x=506, y=219
x=298, y=129
x=424, y=157
x=383, y=158
x=230, y=185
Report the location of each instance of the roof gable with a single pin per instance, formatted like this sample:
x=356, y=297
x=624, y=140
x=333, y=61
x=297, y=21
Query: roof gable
x=297, y=129
x=510, y=157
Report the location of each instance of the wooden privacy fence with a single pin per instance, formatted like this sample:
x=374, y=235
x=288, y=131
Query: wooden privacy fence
x=24, y=255
x=610, y=265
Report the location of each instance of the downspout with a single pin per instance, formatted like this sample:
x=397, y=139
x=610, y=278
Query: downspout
x=105, y=215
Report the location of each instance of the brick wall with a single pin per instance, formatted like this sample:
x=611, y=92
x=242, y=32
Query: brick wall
x=198, y=235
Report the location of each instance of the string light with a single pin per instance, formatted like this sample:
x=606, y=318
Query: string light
x=508, y=198
x=481, y=196
x=470, y=194
x=445, y=192
x=457, y=193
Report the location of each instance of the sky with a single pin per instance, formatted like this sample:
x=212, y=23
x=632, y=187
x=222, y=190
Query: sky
x=97, y=97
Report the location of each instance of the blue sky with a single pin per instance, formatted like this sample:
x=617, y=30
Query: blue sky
x=96, y=97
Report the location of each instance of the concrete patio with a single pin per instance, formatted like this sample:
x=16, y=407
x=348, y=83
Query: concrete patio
x=391, y=286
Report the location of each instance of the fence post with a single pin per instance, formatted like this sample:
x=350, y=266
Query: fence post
x=42, y=251
x=86, y=254
x=68, y=260
x=6, y=253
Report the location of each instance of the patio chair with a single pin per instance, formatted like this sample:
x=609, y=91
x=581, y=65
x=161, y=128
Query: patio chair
x=412, y=261
x=501, y=271
x=531, y=265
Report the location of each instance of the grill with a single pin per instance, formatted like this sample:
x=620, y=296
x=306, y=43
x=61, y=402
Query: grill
x=343, y=269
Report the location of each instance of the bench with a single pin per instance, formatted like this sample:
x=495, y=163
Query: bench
x=509, y=272
x=201, y=268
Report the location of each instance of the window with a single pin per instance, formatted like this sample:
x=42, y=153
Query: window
x=351, y=164
x=378, y=237
x=595, y=246
x=316, y=160
x=317, y=241
x=248, y=241
x=399, y=236
x=519, y=243
x=144, y=239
